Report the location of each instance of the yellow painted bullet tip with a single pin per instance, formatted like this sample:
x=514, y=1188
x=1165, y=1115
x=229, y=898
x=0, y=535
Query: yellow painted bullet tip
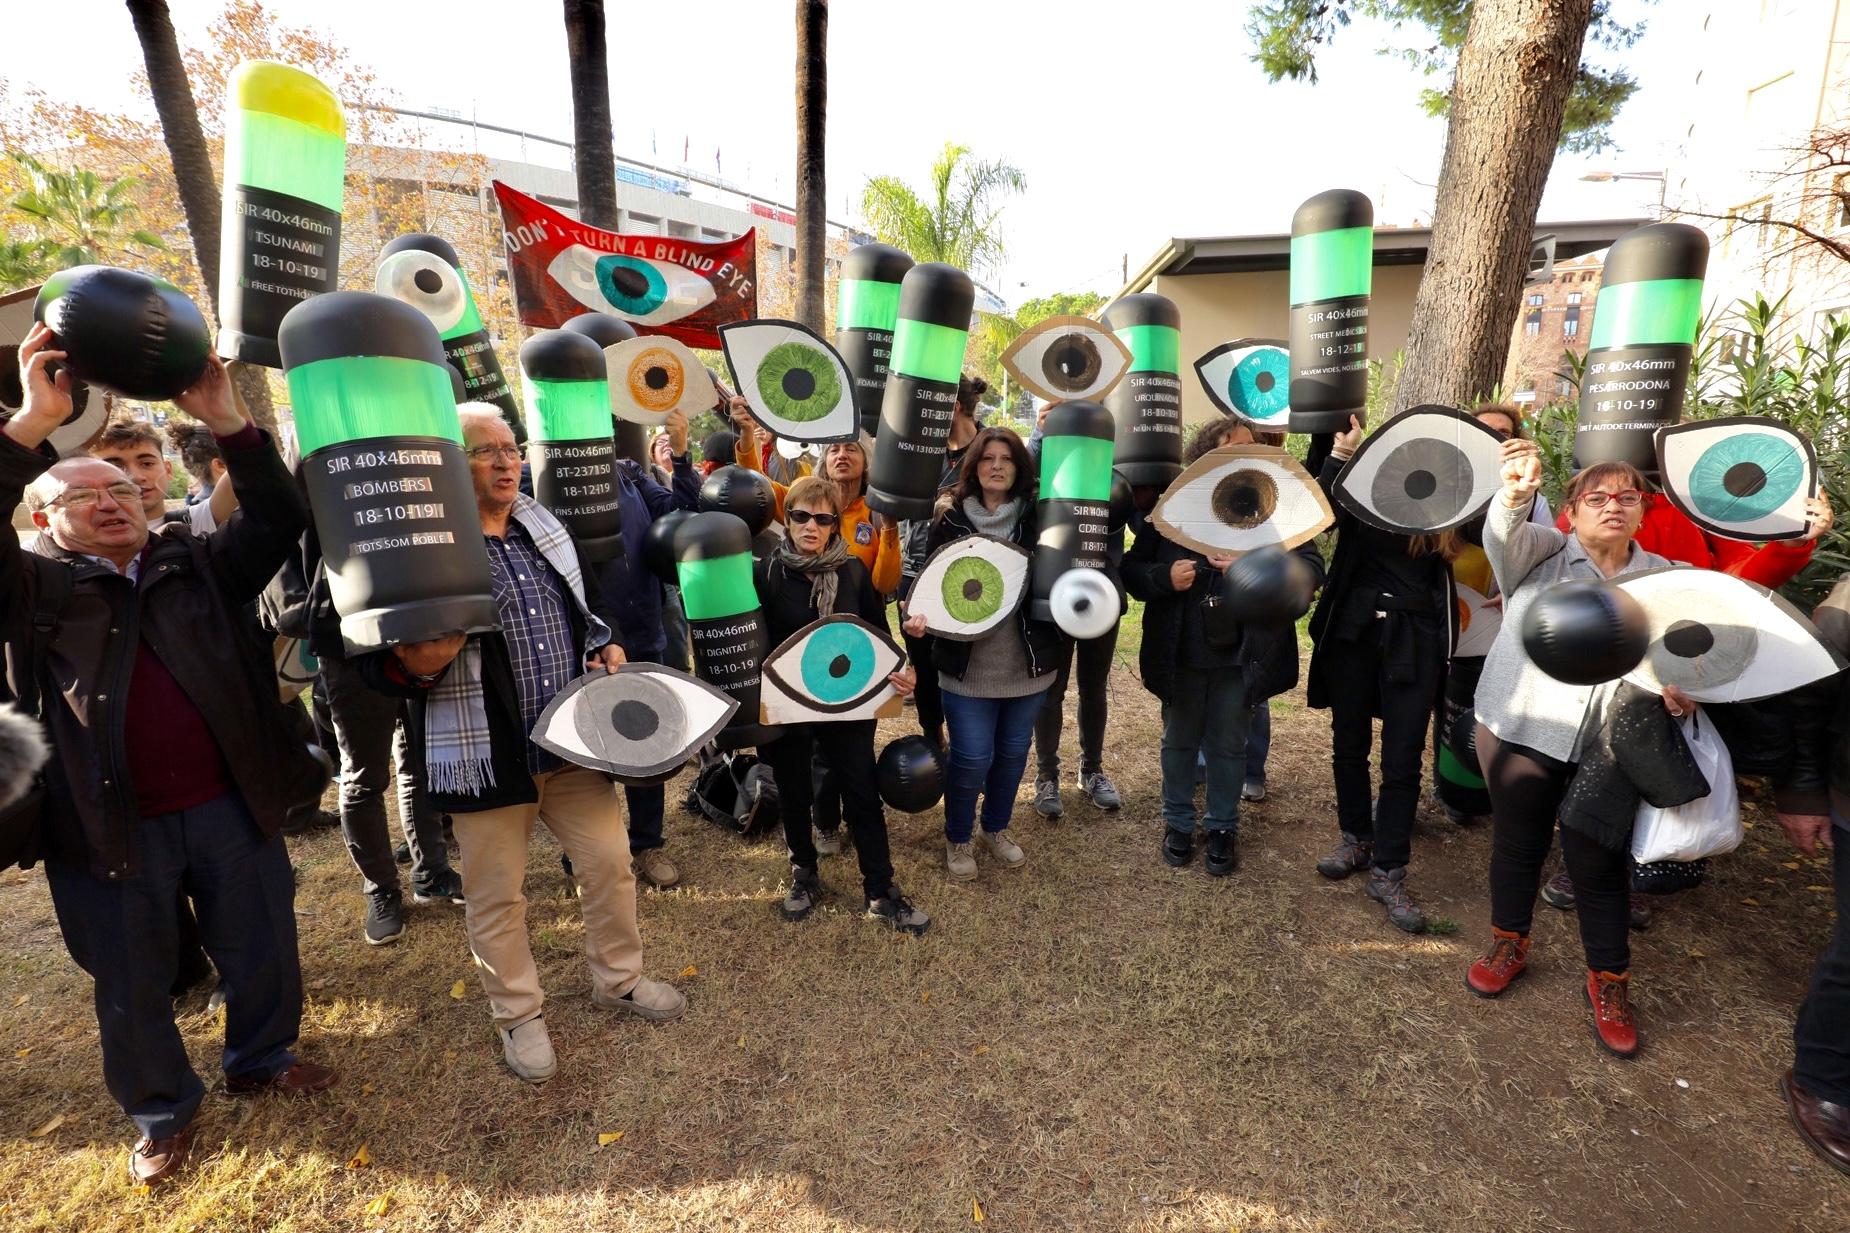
x=286, y=91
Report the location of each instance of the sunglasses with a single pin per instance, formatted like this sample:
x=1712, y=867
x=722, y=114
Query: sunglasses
x=1627, y=499
x=802, y=517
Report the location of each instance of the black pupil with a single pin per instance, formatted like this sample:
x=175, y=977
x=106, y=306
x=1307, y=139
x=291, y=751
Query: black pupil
x=1070, y=360
x=1421, y=484
x=428, y=282
x=973, y=588
x=656, y=378
x=629, y=282
x=634, y=721
x=1744, y=479
x=1244, y=500
x=1264, y=382
x=799, y=383
x=1687, y=639
x=839, y=666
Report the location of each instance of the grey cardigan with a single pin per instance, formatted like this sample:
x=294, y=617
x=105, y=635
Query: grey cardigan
x=1516, y=700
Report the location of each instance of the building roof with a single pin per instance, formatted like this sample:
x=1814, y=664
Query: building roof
x=1236, y=254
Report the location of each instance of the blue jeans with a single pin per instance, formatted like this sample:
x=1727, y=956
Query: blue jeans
x=989, y=739
x=1258, y=741
x=123, y=932
x=1205, y=717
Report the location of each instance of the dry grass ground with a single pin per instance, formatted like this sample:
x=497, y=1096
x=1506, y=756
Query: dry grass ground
x=1097, y=1042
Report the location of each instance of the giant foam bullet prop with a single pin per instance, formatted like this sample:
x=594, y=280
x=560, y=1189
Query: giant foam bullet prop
x=125, y=331
x=607, y=331
x=425, y=272
x=285, y=168
x=569, y=438
x=921, y=390
x=1332, y=270
x=384, y=469
x=713, y=561
x=1146, y=406
x=865, y=318
x=1075, y=509
x=1644, y=332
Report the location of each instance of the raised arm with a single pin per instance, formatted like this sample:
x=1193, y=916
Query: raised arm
x=1513, y=543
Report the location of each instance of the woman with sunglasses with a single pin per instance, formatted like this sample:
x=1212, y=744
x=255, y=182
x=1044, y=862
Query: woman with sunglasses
x=812, y=575
x=1529, y=732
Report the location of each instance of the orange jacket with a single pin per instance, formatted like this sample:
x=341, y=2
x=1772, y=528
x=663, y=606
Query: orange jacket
x=877, y=550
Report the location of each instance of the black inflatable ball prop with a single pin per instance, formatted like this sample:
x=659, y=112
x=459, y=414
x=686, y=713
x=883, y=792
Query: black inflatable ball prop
x=910, y=774
x=607, y=331
x=658, y=545
x=126, y=331
x=1585, y=633
x=1268, y=586
x=745, y=494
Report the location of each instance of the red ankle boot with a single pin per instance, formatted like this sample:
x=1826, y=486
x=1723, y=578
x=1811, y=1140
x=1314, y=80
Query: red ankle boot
x=1609, y=996
x=1497, y=968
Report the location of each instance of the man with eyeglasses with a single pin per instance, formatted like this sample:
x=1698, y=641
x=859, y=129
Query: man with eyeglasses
x=175, y=762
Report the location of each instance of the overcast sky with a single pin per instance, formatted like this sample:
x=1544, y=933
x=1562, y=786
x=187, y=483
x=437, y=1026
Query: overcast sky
x=1133, y=122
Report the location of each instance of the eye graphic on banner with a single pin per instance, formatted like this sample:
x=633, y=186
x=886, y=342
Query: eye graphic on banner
x=89, y=409
x=652, y=377
x=1238, y=498
x=640, y=724
x=1719, y=638
x=1424, y=471
x=1064, y=358
x=1249, y=379
x=426, y=282
x=1477, y=625
x=795, y=384
x=1741, y=477
x=638, y=289
x=970, y=586
x=832, y=669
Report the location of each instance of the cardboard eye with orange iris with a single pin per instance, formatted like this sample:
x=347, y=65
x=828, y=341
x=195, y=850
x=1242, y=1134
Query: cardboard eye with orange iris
x=652, y=377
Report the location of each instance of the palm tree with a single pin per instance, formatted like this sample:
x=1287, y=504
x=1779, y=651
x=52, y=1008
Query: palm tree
x=80, y=218
x=593, y=156
x=23, y=263
x=812, y=112
x=958, y=222
x=186, y=141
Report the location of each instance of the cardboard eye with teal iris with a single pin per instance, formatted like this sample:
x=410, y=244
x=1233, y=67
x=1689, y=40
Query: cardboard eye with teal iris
x=1424, y=471
x=1249, y=379
x=831, y=670
x=1235, y=499
x=1067, y=357
x=795, y=384
x=639, y=724
x=1740, y=477
x=970, y=586
x=639, y=290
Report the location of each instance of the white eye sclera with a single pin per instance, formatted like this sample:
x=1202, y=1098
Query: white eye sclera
x=640, y=723
x=637, y=289
x=1241, y=497
x=1424, y=471
x=1066, y=358
x=794, y=383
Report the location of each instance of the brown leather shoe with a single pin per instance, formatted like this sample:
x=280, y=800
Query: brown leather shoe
x=301, y=1079
x=1824, y=1126
x=153, y=1161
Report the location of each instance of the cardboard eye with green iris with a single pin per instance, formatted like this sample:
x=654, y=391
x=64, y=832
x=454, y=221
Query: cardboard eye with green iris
x=1744, y=477
x=795, y=384
x=970, y=586
x=639, y=724
x=639, y=290
x=1064, y=358
x=832, y=669
x=1249, y=379
x=1241, y=497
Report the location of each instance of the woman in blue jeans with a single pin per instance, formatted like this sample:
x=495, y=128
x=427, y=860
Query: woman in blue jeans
x=992, y=686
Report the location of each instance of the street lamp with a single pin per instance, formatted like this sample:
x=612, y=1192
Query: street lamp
x=1607, y=177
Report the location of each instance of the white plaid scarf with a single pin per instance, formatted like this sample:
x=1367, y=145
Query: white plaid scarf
x=458, y=753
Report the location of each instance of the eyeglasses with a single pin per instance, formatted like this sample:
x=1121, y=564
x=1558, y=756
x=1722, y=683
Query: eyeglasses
x=799, y=517
x=1627, y=499
x=81, y=498
x=488, y=453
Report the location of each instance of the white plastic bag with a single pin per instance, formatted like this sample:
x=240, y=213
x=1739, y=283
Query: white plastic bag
x=1708, y=825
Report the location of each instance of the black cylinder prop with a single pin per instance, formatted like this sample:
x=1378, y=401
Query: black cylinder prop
x=1147, y=405
x=1332, y=270
x=384, y=469
x=1644, y=332
x=425, y=272
x=921, y=390
x=125, y=331
x=1075, y=510
x=658, y=545
x=865, y=317
x=285, y=171
x=713, y=560
x=607, y=331
x=568, y=417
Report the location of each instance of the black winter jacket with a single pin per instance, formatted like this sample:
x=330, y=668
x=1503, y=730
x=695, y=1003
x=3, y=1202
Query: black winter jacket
x=1042, y=640
x=1817, y=780
x=784, y=593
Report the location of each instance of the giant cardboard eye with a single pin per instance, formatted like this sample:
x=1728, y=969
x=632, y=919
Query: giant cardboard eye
x=652, y=377
x=426, y=282
x=831, y=670
x=1477, y=624
x=1241, y=497
x=1719, y=638
x=639, y=290
x=639, y=724
x=1249, y=379
x=970, y=586
x=1739, y=477
x=1066, y=358
x=1426, y=470
x=794, y=383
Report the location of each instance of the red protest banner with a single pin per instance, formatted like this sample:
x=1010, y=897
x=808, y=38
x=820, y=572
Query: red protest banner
x=659, y=284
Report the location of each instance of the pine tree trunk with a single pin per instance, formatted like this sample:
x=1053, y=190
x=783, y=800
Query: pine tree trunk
x=593, y=159
x=812, y=129
x=1514, y=75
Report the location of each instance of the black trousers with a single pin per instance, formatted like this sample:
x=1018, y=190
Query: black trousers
x=1821, y=1038
x=849, y=750
x=1357, y=692
x=1095, y=656
x=926, y=696
x=1525, y=797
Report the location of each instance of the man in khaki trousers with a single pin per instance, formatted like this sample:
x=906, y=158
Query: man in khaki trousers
x=475, y=699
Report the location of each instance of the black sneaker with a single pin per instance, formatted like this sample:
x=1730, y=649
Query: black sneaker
x=385, y=917
x=896, y=910
x=446, y=887
x=1223, y=856
x=1178, y=847
x=805, y=893
x=402, y=854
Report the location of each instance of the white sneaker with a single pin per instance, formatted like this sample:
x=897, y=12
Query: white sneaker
x=527, y=1050
x=1005, y=849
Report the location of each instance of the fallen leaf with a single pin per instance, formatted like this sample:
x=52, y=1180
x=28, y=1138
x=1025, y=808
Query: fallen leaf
x=689, y=972
x=1790, y=865
x=449, y=1055
x=605, y=1140
x=980, y=1050
x=22, y=1052
x=442, y=1179
x=976, y=1212
x=741, y=1042
x=366, y=1089
x=22, y=999
x=381, y=1205
x=1697, y=954
x=56, y=1121
x=361, y=1158
x=1824, y=889
x=1751, y=902
x=458, y=989
x=925, y=996
x=144, y=1188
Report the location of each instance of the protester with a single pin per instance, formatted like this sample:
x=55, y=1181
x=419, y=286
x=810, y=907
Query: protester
x=992, y=686
x=675, y=652
x=135, y=448
x=474, y=700
x=174, y=761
